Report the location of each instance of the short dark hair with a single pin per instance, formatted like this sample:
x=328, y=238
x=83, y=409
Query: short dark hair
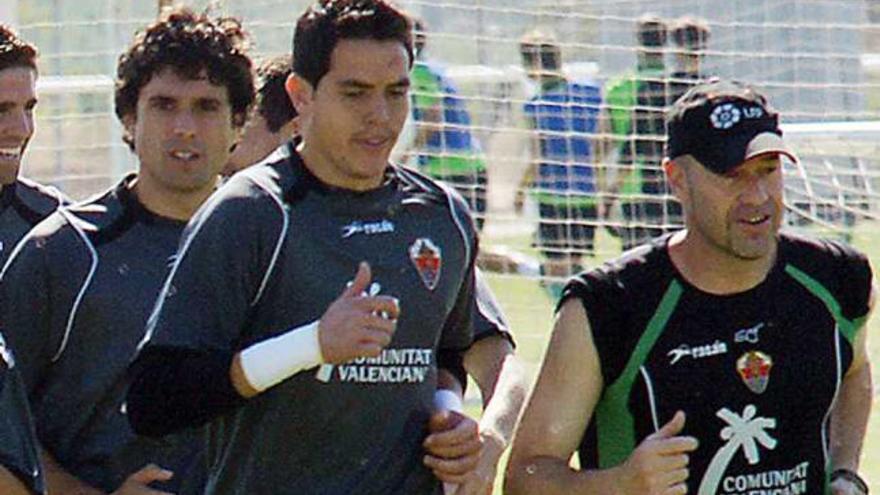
x=540, y=45
x=322, y=25
x=273, y=103
x=691, y=32
x=190, y=44
x=14, y=51
x=651, y=31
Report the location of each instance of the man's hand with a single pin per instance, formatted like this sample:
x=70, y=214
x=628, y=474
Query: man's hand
x=138, y=483
x=481, y=481
x=356, y=324
x=453, y=445
x=659, y=465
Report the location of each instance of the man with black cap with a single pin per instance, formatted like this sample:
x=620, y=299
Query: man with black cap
x=724, y=358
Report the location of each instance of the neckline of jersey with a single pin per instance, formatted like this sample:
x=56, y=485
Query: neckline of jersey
x=777, y=269
x=307, y=181
x=132, y=206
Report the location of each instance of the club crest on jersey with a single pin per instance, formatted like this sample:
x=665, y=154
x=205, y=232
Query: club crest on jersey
x=427, y=259
x=6, y=353
x=754, y=369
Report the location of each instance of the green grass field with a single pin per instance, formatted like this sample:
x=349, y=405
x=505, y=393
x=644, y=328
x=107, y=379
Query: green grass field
x=529, y=311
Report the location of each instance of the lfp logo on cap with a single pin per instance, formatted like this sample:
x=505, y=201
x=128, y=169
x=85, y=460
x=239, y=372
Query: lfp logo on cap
x=725, y=116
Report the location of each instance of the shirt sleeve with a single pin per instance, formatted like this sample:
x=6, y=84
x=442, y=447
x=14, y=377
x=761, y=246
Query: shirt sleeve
x=458, y=331
x=855, y=282
x=489, y=319
x=26, y=309
x=221, y=266
x=18, y=451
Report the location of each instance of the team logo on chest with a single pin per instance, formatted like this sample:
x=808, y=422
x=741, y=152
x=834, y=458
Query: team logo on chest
x=754, y=369
x=427, y=259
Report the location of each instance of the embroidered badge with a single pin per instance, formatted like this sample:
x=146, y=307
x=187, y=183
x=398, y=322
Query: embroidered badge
x=426, y=256
x=754, y=369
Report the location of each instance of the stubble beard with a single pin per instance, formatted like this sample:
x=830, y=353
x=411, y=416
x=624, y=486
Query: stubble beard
x=752, y=249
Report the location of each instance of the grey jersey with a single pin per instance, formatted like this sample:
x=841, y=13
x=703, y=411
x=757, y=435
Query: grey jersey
x=76, y=295
x=18, y=445
x=23, y=204
x=269, y=252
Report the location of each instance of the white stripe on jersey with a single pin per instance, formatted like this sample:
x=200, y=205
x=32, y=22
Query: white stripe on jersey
x=282, y=236
x=86, y=282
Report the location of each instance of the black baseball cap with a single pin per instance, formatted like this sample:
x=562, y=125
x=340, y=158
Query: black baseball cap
x=722, y=124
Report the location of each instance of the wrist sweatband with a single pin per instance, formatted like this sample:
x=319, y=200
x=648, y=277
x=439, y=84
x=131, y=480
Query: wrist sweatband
x=851, y=476
x=449, y=400
x=274, y=360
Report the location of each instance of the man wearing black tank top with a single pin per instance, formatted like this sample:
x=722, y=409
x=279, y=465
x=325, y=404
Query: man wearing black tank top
x=727, y=358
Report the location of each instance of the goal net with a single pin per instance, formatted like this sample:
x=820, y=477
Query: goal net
x=813, y=57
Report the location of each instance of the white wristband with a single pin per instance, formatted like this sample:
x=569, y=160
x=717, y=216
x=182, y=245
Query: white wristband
x=449, y=400
x=274, y=360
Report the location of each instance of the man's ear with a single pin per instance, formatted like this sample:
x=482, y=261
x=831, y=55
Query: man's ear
x=675, y=177
x=129, y=121
x=300, y=92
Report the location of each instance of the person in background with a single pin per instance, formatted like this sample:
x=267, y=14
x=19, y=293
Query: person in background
x=636, y=105
x=444, y=145
x=562, y=176
x=273, y=121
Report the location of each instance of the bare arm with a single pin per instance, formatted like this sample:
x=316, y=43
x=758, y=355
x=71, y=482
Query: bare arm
x=10, y=485
x=499, y=374
x=602, y=151
x=557, y=413
x=849, y=418
x=60, y=481
x=528, y=177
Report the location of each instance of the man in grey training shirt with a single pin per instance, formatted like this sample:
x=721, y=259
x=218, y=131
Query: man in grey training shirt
x=23, y=203
x=20, y=471
x=76, y=294
x=319, y=298
x=491, y=360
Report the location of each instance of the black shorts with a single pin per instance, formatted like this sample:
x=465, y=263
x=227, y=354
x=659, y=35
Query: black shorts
x=565, y=230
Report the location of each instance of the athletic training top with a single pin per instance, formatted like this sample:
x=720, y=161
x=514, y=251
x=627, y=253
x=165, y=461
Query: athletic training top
x=270, y=252
x=565, y=117
x=23, y=204
x=18, y=445
x=76, y=296
x=755, y=372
